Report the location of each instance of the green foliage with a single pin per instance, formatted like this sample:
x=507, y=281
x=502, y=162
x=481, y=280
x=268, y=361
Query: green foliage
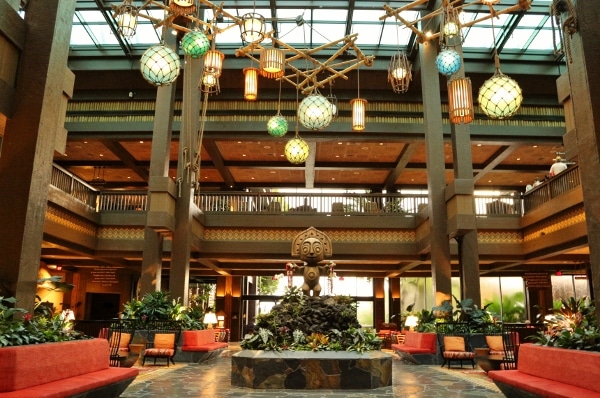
x=513, y=307
x=465, y=311
x=304, y=323
x=267, y=285
x=573, y=326
x=426, y=322
x=159, y=306
x=18, y=327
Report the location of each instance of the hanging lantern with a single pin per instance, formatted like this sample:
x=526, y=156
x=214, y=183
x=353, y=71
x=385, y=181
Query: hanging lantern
x=359, y=106
x=448, y=62
x=500, y=96
x=296, y=150
x=250, y=84
x=490, y=2
x=127, y=19
x=195, y=44
x=253, y=28
x=460, y=100
x=315, y=112
x=399, y=72
x=277, y=126
x=451, y=32
x=183, y=7
x=209, y=83
x=334, y=107
x=213, y=62
x=272, y=62
x=160, y=65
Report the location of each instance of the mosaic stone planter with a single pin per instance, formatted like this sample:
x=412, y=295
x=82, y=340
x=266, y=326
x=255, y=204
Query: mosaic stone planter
x=311, y=370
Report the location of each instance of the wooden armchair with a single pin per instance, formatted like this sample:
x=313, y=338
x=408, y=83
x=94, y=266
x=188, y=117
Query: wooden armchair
x=162, y=341
x=515, y=334
x=453, y=339
x=119, y=336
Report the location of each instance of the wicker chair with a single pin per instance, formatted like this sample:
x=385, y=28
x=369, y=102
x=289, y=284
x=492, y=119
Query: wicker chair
x=453, y=339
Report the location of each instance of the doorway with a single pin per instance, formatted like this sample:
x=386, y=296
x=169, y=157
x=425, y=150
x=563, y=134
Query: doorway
x=100, y=306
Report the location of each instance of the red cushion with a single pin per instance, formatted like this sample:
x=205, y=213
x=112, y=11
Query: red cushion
x=29, y=365
x=205, y=347
x=194, y=338
x=540, y=386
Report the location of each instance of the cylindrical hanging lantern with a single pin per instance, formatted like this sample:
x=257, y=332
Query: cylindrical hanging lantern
x=277, y=126
x=448, y=62
x=160, y=65
x=359, y=107
x=399, y=72
x=253, y=28
x=213, y=62
x=272, y=62
x=500, y=96
x=315, y=112
x=195, y=44
x=296, y=150
x=250, y=84
x=460, y=100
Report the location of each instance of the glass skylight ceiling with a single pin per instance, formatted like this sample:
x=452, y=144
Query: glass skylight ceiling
x=326, y=21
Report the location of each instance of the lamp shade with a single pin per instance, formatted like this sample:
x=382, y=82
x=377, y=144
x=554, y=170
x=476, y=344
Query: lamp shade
x=213, y=62
x=500, y=96
x=252, y=28
x=460, y=100
x=448, y=62
x=195, y=44
x=277, y=126
x=272, y=62
x=160, y=65
x=315, y=112
x=411, y=321
x=127, y=21
x=359, y=107
x=399, y=72
x=210, y=318
x=250, y=84
x=296, y=150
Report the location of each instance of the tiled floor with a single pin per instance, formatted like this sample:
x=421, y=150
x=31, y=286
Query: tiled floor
x=212, y=379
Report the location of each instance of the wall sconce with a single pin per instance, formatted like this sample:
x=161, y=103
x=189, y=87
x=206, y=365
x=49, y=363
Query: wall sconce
x=359, y=106
x=210, y=319
x=126, y=16
x=460, y=100
x=272, y=62
x=160, y=65
x=296, y=150
x=399, y=72
x=195, y=43
x=250, y=84
x=252, y=28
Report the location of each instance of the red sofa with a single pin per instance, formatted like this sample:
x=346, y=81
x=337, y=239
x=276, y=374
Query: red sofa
x=551, y=372
x=418, y=348
x=200, y=345
x=71, y=368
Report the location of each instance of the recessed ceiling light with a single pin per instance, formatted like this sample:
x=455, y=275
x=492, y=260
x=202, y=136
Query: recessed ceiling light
x=340, y=143
x=267, y=147
x=243, y=155
x=478, y=144
x=141, y=142
x=518, y=158
x=101, y=155
x=272, y=172
x=364, y=148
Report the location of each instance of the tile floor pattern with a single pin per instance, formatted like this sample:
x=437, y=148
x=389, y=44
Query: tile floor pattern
x=212, y=380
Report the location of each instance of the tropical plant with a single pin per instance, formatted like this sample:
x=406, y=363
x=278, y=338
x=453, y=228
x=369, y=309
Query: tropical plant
x=513, y=307
x=303, y=323
x=426, y=321
x=160, y=306
x=18, y=327
x=465, y=311
x=573, y=326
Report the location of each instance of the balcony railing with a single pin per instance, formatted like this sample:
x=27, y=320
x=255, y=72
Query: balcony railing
x=392, y=204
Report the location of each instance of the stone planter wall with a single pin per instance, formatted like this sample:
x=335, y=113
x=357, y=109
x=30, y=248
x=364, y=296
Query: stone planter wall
x=311, y=370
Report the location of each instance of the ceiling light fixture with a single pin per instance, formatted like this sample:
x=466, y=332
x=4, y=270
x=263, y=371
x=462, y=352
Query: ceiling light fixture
x=252, y=27
x=195, y=43
x=160, y=65
x=460, y=100
x=399, y=72
x=277, y=126
x=359, y=106
x=126, y=16
x=250, y=84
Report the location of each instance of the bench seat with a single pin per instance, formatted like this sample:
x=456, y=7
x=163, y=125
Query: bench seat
x=551, y=372
x=418, y=348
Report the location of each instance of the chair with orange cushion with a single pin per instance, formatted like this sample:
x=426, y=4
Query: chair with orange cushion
x=162, y=341
x=453, y=339
x=119, y=337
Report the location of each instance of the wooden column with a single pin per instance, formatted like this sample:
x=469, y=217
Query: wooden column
x=583, y=65
x=30, y=139
x=436, y=173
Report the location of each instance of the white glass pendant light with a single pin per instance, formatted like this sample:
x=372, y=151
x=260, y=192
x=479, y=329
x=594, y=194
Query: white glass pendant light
x=315, y=112
x=296, y=150
x=160, y=65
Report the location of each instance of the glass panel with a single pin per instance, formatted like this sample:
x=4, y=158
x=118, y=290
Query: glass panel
x=364, y=313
